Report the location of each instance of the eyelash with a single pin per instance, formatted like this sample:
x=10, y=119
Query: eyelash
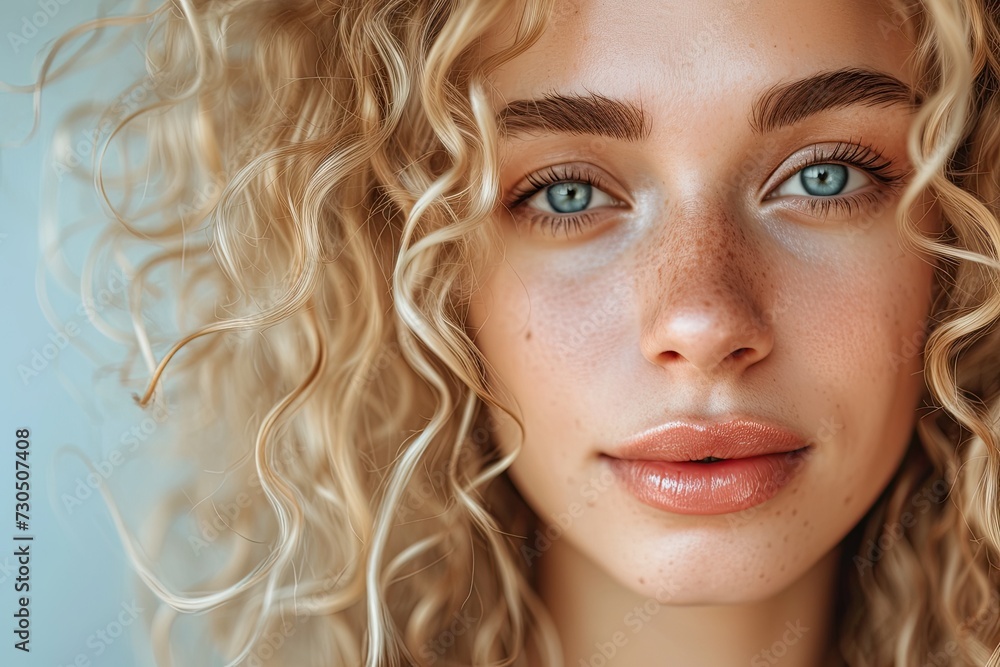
x=547, y=178
x=862, y=156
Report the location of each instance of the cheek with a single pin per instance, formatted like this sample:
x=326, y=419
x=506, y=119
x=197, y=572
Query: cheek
x=559, y=345
x=861, y=324
x=552, y=338
x=856, y=339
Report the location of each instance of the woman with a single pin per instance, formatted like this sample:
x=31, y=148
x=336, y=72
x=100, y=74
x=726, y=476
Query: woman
x=578, y=333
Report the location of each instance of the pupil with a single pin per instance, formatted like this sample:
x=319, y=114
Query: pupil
x=824, y=179
x=568, y=197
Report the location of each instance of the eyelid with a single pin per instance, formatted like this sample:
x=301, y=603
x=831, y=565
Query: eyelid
x=518, y=202
x=845, y=193
x=528, y=187
x=835, y=153
x=595, y=188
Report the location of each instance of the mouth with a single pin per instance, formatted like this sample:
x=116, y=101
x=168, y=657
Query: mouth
x=691, y=468
x=700, y=442
x=711, y=485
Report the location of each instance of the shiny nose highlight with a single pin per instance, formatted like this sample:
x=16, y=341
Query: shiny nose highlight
x=703, y=290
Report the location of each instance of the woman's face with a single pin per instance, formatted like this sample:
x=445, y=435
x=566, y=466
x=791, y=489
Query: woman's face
x=705, y=267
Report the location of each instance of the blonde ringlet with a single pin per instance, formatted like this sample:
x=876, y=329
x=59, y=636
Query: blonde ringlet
x=327, y=174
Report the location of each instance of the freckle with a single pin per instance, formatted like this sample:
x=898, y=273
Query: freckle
x=527, y=336
x=782, y=568
x=641, y=580
x=778, y=513
x=768, y=545
x=761, y=575
x=795, y=511
x=847, y=500
x=805, y=524
x=786, y=538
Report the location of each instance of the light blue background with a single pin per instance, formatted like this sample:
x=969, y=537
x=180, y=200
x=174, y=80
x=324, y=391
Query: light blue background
x=79, y=577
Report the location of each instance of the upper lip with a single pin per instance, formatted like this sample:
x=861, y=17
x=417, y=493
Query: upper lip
x=693, y=441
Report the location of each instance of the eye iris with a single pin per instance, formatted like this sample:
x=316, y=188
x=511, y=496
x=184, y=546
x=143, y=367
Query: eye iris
x=824, y=179
x=568, y=197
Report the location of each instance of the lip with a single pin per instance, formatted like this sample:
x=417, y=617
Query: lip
x=661, y=467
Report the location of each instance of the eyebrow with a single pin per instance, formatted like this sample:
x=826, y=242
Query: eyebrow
x=779, y=106
x=787, y=103
x=573, y=113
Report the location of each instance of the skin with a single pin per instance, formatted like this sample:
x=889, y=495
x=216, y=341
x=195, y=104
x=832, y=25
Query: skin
x=633, y=321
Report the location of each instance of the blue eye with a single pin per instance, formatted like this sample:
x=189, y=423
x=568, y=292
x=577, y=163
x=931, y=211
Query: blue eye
x=823, y=180
x=567, y=197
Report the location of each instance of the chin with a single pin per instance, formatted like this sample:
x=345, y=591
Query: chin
x=720, y=560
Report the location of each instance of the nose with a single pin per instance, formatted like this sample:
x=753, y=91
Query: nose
x=703, y=311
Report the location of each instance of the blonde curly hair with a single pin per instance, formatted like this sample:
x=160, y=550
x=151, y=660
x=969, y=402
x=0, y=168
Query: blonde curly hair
x=328, y=173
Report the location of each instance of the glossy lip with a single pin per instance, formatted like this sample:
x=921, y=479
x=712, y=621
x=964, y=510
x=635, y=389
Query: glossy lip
x=692, y=441
x=662, y=467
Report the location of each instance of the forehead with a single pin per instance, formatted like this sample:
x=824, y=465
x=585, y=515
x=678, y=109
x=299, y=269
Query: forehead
x=695, y=56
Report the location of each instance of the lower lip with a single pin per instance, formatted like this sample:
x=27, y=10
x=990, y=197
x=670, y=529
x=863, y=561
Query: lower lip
x=731, y=485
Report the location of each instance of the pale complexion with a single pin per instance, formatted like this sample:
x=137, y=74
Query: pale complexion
x=703, y=283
